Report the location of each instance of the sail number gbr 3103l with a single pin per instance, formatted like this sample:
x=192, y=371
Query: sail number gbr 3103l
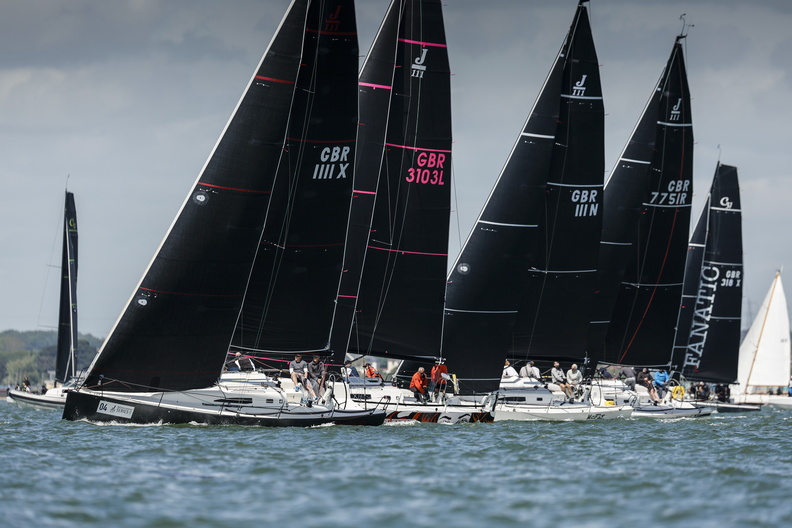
x=430, y=169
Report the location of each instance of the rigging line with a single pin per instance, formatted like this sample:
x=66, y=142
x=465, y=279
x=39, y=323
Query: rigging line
x=48, y=266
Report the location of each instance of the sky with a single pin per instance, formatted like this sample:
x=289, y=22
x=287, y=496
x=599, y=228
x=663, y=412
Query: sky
x=123, y=101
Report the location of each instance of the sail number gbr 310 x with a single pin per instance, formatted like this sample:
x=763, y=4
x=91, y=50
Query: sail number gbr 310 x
x=430, y=169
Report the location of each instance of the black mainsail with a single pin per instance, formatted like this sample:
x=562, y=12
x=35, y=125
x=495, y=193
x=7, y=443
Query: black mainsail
x=708, y=333
x=175, y=332
x=645, y=232
x=66, y=356
x=401, y=208
x=524, y=277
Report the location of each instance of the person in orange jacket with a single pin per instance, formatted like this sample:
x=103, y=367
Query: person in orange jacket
x=418, y=385
x=436, y=380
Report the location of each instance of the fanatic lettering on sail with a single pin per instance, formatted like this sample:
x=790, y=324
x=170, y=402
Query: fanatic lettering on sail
x=418, y=67
x=585, y=202
x=334, y=163
x=702, y=315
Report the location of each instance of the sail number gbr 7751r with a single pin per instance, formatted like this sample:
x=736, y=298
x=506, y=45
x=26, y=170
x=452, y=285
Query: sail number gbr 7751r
x=677, y=194
x=430, y=169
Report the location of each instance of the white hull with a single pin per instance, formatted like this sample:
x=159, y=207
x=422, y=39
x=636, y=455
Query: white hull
x=399, y=405
x=525, y=400
x=780, y=402
x=616, y=391
x=560, y=412
x=52, y=400
x=676, y=410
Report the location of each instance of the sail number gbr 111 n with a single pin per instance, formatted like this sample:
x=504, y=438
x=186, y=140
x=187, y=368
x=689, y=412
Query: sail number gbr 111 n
x=430, y=169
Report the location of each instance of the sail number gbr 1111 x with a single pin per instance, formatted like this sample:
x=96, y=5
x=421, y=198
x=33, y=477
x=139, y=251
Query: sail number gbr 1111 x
x=430, y=169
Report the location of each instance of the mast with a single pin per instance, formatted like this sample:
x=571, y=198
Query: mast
x=175, y=331
x=66, y=356
x=642, y=323
x=708, y=332
x=520, y=241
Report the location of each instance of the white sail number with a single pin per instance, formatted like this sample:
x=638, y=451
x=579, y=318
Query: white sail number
x=429, y=171
x=732, y=278
x=332, y=159
x=677, y=193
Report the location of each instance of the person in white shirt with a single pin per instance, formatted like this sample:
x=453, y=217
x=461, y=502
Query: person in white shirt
x=508, y=371
x=530, y=372
x=574, y=378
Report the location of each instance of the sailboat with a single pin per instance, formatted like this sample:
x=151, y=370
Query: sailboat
x=261, y=230
x=393, y=285
x=708, y=331
x=765, y=353
x=522, y=285
x=66, y=354
x=644, y=243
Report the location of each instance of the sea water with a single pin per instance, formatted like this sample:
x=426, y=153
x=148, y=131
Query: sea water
x=724, y=470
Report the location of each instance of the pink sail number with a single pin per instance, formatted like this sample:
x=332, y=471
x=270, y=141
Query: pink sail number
x=430, y=169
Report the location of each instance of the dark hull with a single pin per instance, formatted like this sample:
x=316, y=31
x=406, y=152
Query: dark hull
x=85, y=406
x=721, y=407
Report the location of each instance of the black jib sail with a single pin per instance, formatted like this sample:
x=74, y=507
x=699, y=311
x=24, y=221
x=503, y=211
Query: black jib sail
x=652, y=226
x=531, y=256
x=175, y=332
x=708, y=334
x=66, y=357
x=401, y=207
